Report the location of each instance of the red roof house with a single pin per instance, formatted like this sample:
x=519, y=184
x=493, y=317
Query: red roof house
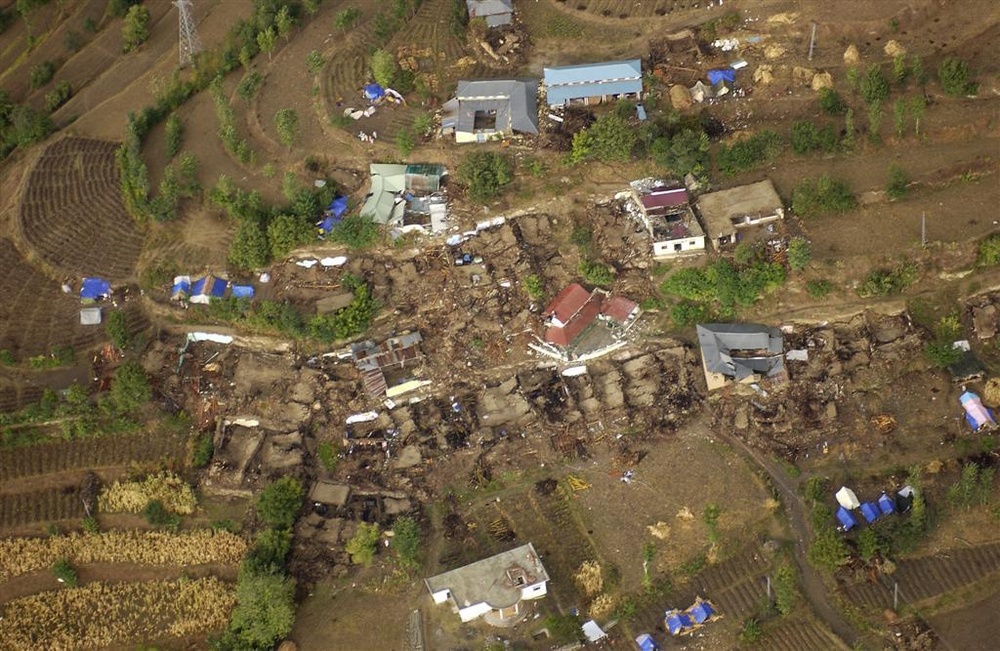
x=567, y=303
x=574, y=309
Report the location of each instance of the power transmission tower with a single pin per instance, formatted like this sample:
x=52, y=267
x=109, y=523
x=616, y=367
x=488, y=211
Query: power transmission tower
x=190, y=44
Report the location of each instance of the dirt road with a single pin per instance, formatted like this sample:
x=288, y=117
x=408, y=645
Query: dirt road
x=813, y=587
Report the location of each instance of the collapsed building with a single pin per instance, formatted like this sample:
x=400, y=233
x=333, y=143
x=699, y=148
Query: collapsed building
x=741, y=352
x=582, y=325
x=407, y=198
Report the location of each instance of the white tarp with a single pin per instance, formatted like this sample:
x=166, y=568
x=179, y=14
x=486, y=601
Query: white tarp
x=338, y=261
x=90, y=316
x=210, y=336
x=593, y=631
x=363, y=417
x=574, y=371
x=847, y=498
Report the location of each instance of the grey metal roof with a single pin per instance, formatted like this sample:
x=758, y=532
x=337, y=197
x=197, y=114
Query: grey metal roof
x=490, y=580
x=496, y=12
x=514, y=100
x=718, y=340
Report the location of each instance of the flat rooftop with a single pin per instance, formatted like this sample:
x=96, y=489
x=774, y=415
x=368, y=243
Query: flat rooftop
x=496, y=580
x=722, y=211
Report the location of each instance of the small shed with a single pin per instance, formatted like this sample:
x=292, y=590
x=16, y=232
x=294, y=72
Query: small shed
x=677, y=622
x=181, y=288
x=976, y=413
x=496, y=13
x=205, y=289
x=93, y=289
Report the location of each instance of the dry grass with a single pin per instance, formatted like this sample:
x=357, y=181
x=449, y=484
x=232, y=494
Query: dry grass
x=589, y=578
x=176, y=495
x=23, y=555
x=103, y=614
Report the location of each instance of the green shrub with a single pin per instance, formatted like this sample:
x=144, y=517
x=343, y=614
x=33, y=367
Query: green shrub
x=327, y=453
x=363, y=544
x=356, y=232
x=65, y=573
x=348, y=322
x=687, y=152
x=116, y=327
x=90, y=525
x=828, y=550
x=954, y=75
x=204, y=449
x=315, y=62
x=286, y=122
x=831, y=102
x=988, y=251
x=264, y=613
x=287, y=232
x=874, y=85
x=345, y=18
x=118, y=8
x=564, y=629
x=609, y=138
x=384, y=67
x=799, y=253
x=784, y=590
x=249, y=248
x=885, y=281
x=130, y=389
x=249, y=85
x=135, y=30
x=458, y=17
x=42, y=73
x=974, y=486
x=58, y=96
x=595, y=273
x=825, y=195
x=819, y=288
x=898, y=184
x=269, y=551
x=406, y=542
x=807, y=137
x=533, y=287
x=722, y=285
x=278, y=505
x=745, y=155
x=405, y=142
x=751, y=632
x=174, y=135
x=157, y=515
x=485, y=174
x=688, y=313
x=7, y=358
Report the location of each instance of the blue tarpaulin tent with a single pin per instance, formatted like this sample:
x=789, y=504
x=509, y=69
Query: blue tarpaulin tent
x=701, y=612
x=646, y=642
x=870, y=511
x=677, y=621
x=374, y=92
x=242, y=291
x=886, y=505
x=181, y=288
x=847, y=520
x=94, y=288
x=976, y=413
x=721, y=74
x=205, y=289
x=334, y=214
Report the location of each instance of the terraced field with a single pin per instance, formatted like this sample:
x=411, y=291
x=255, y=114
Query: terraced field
x=929, y=576
x=72, y=215
x=622, y=9
x=801, y=636
x=51, y=505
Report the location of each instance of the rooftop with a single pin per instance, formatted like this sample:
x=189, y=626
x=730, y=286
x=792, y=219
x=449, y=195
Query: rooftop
x=563, y=83
x=741, y=350
x=567, y=302
x=513, y=100
x=496, y=580
x=723, y=210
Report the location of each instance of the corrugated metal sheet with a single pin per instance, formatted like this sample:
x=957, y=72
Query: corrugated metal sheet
x=588, y=73
x=558, y=95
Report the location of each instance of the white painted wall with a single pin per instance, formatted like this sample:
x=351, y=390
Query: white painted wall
x=666, y=248
x=474, y=611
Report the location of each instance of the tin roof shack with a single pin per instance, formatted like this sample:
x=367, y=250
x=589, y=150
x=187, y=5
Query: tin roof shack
x=407, y=197
x=666, y=213
x=593, y=83
x=387, y=368
x=583, y=325
x=496, y=13
x=740, y=352
x=727, y=213
x=489, y=109
x=493, y=588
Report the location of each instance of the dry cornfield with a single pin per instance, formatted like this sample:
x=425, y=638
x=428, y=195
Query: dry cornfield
x=23, y=555
x=103, y=614
x=176, y=495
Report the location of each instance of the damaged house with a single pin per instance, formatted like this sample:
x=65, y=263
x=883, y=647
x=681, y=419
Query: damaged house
x=728, y=214
x=582, y=325
x=666, y=213
x=386, y=368
x=593, y=83
x=493, y=588
x=489, y=109
x=407, y=197
x=740, y=352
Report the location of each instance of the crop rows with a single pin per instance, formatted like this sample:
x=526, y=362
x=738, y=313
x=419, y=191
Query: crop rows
x=72, y=214
x=17, y=509
x=799, y=636
x=619, y=9
x=23, y=555
x=95, y=452
x=99, y=615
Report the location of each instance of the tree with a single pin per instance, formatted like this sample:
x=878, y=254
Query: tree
x=484, y=174
x=249, y=248
x=874, y=121
x=807, y=137
x=135, y=30
x=174, y=134
x=595, y=273
x=831, y=102
x=356, y=231
x=118, y=8
x=405, y=142
x=117, y=329
x=269, y=551
x=898, y=183
x=42, y=73
x=799, y=253
x=899, y=69
x=363, y=544
x=384, y=67
x=285, y=232
x=848, y=141
x=954, y=75
x=65, y=573
x=130, y=389
x=784, y=590
x=917, y=106
x=315, y=62
x=874, y=86
x=899, y=110
x=406, y=541
x=610, y=138
x=266, y=40
x=286, y=121
x=345, y=18
x=821, y=196
x=264, y=613
x=278, y=505
x=284, y=21
x=26, y=126
x=687, y=152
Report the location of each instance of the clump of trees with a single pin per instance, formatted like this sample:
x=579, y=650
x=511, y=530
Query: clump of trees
x=485, y=174
x=884, y=281
x=609, y=138
x=20, y=125
x=286, y=122
x=58, y=95
x=135, y=31
x=825, y=195
x=808, y=137
x=747, y=154
x=956, y=77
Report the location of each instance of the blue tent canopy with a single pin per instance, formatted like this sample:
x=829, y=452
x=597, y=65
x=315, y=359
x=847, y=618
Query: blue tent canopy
x=94, y=288
x=677, y=621
x=374, y=92
x=338, y=206
x=886, y=505
x=242, y=291
x=721, y=74
x=846, y=519
x=870, y=511
x=209, y=286
x=701, y=612
x=646, y=642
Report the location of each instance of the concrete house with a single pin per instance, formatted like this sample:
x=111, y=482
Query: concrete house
x=666, y=213
x=593, y=83
x=727, y=212
x=496, y=13
x=493, y=588
x=740, y=352
x=583, y=325
x=486, y=109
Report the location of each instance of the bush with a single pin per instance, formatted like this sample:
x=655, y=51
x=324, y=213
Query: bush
x=406, y=542
x=90, y=525
x=822, y=196
x=248, y=86
x=533, y=287
x=42, y=73
x=564, y=628
x=485, y=174
x=157, y=515
x=249, y=248
x=723, y=285
x=130, y=389
x=327, y=453
x=974, y=486
x=405, y=142
x=831, y=102
x=819, y=288
x=348, y=322
x=688, y=313
x=751, y=632
x=118, y=8
x=458, y=17
x=65, y=573
x=799, y=253
x=687, y=152
x=384, y=68
x=954, y=76
x=874, y=85
x=898, y=183
x=278, y=505
x=286, y=122
x=345, y=18
x=784, y=590
x=135, y=31
x=363, y=544
x=595, y=273
x=988, y=251
x=807, y=137
x=886, y=281
x=610, y=138
x=356, y=232
x=58, y=95
x=264, y=613
x=286, y=232
x=116, y=328
x=315, y=62
x=204, y=449
x=747, y=154
x=174, y=135
x=269, y=551
x=828, y=550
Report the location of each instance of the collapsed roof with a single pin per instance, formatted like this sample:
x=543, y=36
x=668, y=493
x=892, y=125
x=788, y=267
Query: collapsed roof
x=513, y=101
x=757, y=348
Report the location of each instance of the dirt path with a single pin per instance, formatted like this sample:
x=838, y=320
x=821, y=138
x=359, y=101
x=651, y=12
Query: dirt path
x=43, y=580
x=813, y=586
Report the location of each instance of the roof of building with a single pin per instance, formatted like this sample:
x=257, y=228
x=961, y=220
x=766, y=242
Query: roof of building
x=482, y=8
x=496, y=580
x=515, y=102
x=383, y=203
x=719, y=340
x=664, y=198
x=567, y=302
x=719, y=209
x=329, y=493
x=619, y=308
x=209, y=286
x=395, y=350
x=577, y=323
x=90, y=316
x=563, y=83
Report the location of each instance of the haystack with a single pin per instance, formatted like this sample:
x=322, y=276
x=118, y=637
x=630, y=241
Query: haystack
x=822, y=80
x=680, y=97
x=851, y=55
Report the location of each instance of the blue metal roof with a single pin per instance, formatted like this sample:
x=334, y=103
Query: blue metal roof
x=586, y=73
